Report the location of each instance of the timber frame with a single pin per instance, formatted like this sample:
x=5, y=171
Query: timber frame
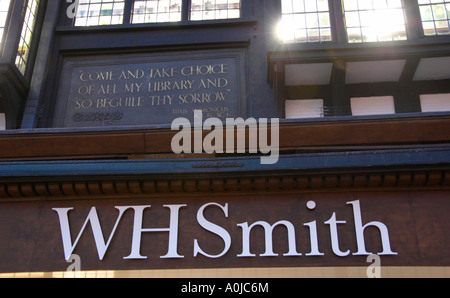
x=401, y=152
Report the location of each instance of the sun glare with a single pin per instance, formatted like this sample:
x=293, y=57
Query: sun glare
x=374, y=20
x=365, y=21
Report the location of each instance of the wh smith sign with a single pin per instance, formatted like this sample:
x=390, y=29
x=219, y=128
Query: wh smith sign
x=317, y=229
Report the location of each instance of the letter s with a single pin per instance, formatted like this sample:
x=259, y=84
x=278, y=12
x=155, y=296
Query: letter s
x=78, y=104
x=213, y=228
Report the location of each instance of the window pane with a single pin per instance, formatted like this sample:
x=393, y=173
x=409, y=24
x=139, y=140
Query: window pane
x=305, y=21
x=29, y=22
x=304, y=108
x=215, y=9
x=377, y=105
x=4, y=10
x=2, y=121
x=99, y=12
x=435, y=16
x=156, y=11
x=374, y=20
x=435, y=102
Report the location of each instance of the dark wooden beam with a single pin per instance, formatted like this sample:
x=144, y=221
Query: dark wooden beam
x=57, y=144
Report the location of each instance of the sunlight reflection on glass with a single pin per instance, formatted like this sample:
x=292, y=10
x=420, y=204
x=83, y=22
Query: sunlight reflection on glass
x=305, y=21
x=374, y=20
x=435, y=16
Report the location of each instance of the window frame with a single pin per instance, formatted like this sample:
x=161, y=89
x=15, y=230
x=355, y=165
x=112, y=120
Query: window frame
x=5, y=28
x=307, y=26
x=377, y=36
x=9, y=48
x=34, y=43
x=413, y=23
x=88, y=18
x=185, y=16
x=28, y=61
x=337, y=94
x=157, y=15
x=433, y=19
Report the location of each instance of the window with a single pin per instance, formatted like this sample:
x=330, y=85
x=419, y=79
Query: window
x=363, y=20
x=215, y=9
x=29, y=22
x=2, y=121
x=305, y=21
x=375, y=105
x=374, y=20
x=435, y=102
x=151, y=11
x=98, y=12
x=4, y=11
x=435, y=16
x=305, y=108
x=113, y=12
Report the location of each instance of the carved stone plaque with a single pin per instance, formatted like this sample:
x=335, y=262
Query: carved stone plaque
x=144, y=89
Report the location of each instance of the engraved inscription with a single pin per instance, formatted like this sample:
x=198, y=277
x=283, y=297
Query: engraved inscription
x=150, y=92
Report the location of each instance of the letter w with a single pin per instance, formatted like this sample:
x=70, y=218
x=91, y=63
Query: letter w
x=92, y=218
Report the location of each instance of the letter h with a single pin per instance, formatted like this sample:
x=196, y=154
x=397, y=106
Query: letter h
x=138, y=230
x=360, y=233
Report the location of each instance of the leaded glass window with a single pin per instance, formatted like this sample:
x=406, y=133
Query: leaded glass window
x=305, y=21
x=99, y=12
x=4, y=11
x=29, y=22
x=374, y=20
x=159, y=11
x=215, y=9
x=435, y=16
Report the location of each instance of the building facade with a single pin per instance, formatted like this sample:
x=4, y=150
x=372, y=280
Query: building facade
x=293, y=138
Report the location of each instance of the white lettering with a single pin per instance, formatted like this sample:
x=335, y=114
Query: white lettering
x=292, y=229
x=360, y=233
x=213, y=228
x=92, y=218
x=332, y=222
x=246, y=229
x=138, y=230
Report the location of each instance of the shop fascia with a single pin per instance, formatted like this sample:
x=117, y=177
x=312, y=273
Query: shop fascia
x=138, y=230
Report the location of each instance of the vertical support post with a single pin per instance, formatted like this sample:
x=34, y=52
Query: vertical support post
x=413, y=19
x=280, y=88
x=339, y=101
x=185, y=9
x=337, y=21
x=127, y=11
x=42, y=61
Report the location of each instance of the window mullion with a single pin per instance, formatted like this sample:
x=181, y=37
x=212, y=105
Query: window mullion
x=413, y=20
x=127, y=11
x=185, y=8
x=5, y=10
x=337, y=21
x=12, y=35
